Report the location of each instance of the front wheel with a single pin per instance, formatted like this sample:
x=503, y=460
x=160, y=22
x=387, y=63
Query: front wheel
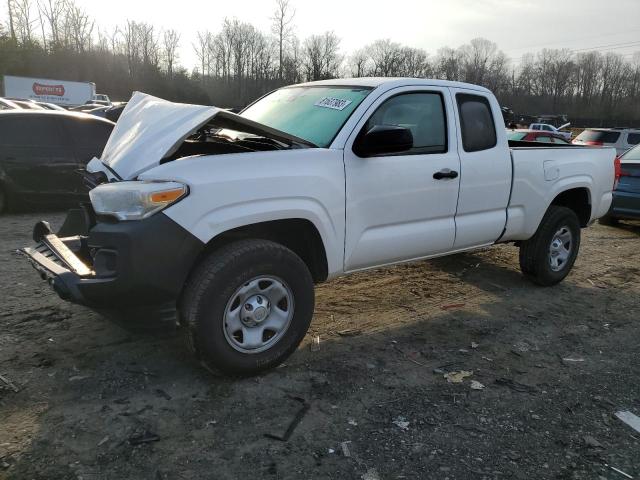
x=548, y=256
x=247, y=306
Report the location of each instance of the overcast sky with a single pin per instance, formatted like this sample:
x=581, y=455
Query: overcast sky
x=517, y=26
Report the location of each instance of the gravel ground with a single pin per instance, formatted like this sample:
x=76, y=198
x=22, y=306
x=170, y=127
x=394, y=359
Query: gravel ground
x=96, y=401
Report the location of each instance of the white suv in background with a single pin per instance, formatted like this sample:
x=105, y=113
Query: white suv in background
x=545, y=127
x=622, y=139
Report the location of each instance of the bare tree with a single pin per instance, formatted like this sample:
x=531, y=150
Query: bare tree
x=322, y=58
x=359, y=63
x=282, y=27
x=23, y=20
x=12, y=29
x=171, y=40
x=202, y=49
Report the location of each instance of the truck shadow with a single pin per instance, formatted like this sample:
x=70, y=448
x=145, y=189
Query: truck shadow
x=119, y=404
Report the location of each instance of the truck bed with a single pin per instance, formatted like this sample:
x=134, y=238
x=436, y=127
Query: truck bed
x=543, y=171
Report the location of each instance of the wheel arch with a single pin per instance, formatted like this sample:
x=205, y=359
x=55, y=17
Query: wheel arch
x=577, y=199
x=300, y=235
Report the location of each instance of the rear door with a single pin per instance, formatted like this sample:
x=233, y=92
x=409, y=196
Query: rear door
x=485, y=169
x=36, y=155
x=396, y=209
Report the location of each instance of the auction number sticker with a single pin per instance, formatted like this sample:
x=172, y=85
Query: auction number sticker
x=333, y=103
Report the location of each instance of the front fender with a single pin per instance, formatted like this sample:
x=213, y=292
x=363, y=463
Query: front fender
x=227, y=217
x=236, y=190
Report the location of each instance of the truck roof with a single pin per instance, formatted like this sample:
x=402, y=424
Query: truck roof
x=393, y=82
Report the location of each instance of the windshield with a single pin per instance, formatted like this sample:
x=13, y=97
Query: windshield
x=315, y=114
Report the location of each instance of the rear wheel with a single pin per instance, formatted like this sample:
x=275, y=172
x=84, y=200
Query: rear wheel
x=247, y=307
x=548, y=256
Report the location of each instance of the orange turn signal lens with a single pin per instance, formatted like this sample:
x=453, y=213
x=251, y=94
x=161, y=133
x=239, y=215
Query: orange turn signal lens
x=167, y=196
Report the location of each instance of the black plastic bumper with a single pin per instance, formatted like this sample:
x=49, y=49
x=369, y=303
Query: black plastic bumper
x=118, y=265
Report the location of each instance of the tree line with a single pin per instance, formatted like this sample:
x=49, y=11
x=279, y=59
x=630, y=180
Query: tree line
x=238, y=63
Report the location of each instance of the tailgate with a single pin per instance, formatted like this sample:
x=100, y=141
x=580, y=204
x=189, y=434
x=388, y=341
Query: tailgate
x=629, y=177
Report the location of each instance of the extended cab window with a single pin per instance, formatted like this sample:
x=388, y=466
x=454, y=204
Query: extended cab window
x=476, y=121
x=422, y=113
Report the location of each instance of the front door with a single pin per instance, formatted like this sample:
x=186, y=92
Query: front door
x=402, y=206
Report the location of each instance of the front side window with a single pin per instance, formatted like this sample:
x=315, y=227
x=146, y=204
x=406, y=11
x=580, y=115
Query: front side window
x=476, y=121
x=315, y=114
x=422, y=113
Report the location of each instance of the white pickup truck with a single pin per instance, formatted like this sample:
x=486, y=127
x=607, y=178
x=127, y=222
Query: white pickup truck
x=226, y=221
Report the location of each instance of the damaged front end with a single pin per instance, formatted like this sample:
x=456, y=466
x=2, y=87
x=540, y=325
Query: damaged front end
x=126, y=269
x=121, y=253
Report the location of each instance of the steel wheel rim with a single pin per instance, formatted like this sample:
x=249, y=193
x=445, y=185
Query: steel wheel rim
x=560, y=248
x=258, y=314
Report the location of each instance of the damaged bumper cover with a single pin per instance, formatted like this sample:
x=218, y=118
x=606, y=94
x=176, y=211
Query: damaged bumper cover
x=117, y=265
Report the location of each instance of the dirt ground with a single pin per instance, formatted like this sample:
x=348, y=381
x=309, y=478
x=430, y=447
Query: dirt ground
x=95, y=401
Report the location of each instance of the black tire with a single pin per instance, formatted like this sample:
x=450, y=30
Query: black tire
x=535, y=252
x=214, y=283
x=608, y=220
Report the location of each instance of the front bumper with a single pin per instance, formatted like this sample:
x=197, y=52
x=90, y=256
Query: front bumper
x=116, y=265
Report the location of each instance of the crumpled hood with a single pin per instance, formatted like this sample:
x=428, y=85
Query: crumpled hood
x=150, y=129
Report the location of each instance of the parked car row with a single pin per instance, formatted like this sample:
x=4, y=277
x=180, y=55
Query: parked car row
x=99, y=106
x=622, y=139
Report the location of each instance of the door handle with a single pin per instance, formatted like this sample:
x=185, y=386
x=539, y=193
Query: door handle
x=445, y=173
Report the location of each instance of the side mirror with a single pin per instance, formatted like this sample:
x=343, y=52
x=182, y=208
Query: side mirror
x=383, y=139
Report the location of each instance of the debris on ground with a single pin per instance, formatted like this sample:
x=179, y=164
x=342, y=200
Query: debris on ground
x=573, y=359
x=474, y=345
x=630, y=419
x=163, y=394
x=352, y=422
x=452, y=306
x=457, y=376
x=476, y=385
x=294, y=423
x=516, y=386
x=144, y=437
x=9, y=383
x=401, y=423
x=315, y=343
x=345, y=448
x=371, y=474
x=104, y=440
x=591, y=442
x=624, y=474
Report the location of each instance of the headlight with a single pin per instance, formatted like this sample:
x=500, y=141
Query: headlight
x=135, y=200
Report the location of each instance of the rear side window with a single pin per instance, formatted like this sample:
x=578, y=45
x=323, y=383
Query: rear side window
x=31, y=130
x=603, y=136
x=88, y=133
x=633, y=139
x=476, y=120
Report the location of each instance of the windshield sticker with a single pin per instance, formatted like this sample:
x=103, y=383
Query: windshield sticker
x=333, y=103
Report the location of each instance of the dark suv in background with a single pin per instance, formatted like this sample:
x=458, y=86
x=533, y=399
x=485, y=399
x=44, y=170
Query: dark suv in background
x=40, y=153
